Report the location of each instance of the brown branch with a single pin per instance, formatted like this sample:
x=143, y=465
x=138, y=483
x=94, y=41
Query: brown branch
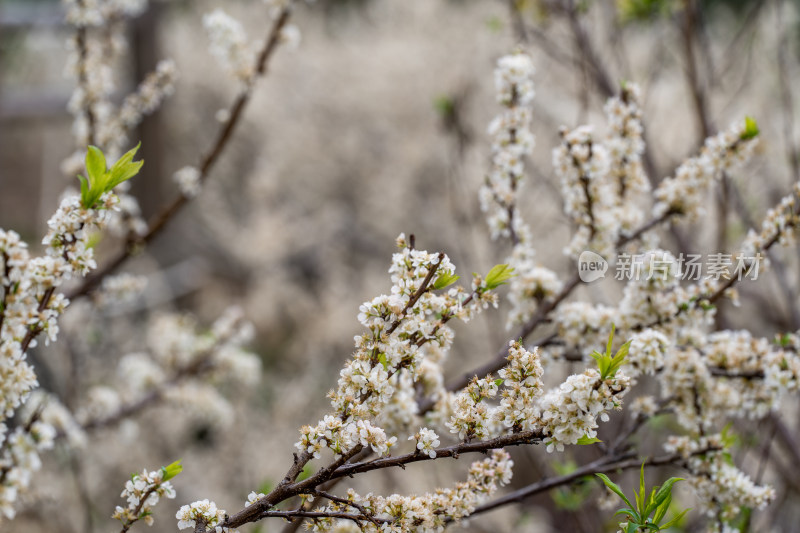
x=699, y=98
x=454, y=451
x=207, y=163
x=138, y=509
x=300, y=513
x=83, y=78
x=417, y=295
x=344, y=501
x=600, y=466
x=341, y=468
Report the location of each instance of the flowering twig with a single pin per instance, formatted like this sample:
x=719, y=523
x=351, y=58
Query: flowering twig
x=224, y=135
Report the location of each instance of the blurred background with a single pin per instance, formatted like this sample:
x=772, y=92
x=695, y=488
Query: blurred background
x=374, y=125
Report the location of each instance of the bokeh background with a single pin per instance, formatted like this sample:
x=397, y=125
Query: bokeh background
x=373, y=126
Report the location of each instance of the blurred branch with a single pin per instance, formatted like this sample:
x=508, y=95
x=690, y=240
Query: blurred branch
x=207, y=163
x=787, y=104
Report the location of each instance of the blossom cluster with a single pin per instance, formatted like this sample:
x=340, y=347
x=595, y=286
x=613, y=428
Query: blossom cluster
x=512, y=140
x=182, y=366
x=427, y=513
x=143, y=492
x=684, y=192
x=562, y=415
x=99, y=12
x=230, y=46
x=722, y=488
x=405, y=328
x=205, y=512
x=30, y=306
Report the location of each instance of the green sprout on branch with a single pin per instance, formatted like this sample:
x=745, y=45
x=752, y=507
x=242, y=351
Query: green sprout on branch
x=102, y=179
x=171, y=470
x=656, y=504
x=498, y=275
x=751, y=130
x=609, y=364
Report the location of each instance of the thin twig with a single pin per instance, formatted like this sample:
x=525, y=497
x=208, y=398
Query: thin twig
x=207, y=163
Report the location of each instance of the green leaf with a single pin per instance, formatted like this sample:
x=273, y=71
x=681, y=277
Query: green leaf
x=613, y=487
x=587, y=440
x=85, y=198
x=675, y=520
x=608, y=365
x=95, y=163
x=445, y=105
x=610, y=340
x=661, y=510
x=124, y=169
x=666, y=489
x=497, y=276
x=382, y=360
x=445, y=280
x=100, y=180
x=642, y=493
x=632, y=527
x=498, y=381
x=751, y=130
x=632, y=515
x=171, y=470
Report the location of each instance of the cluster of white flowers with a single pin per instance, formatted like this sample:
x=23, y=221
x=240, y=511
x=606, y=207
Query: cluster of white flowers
x=202, y=511
x=779, y=224
x=599, y=176
x=184, y=364
x=531, y=285
x=143, y=492
x=340, y=437
x=230, y=46
x=404, y=329
x=19, y=459
x=684, y=192
x=570, y=411
x=625, y=146
x=188, y=180
x=99, y=12
x=512, y=140
x=563, y=415
x=157, y=86
x=582, y=163
x=428, y=513
x=119, y=290
x=522, y=388
x=472, y=417
x=722, y=488
x=427, y=441
x=30, y=305
x=731, y=374
x=647, y=352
